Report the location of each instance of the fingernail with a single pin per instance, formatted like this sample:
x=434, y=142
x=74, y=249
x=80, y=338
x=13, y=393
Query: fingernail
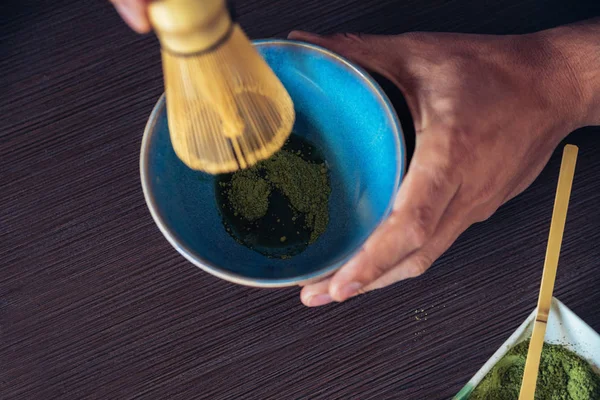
x=350, y=290
x=319, y=300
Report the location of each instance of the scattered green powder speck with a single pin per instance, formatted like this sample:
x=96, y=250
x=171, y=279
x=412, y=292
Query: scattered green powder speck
x=563, y=375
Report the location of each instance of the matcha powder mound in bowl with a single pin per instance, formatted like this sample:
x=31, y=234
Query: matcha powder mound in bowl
x=249, y=195
x=305, y=185
x=563, y=375
x=281, y=205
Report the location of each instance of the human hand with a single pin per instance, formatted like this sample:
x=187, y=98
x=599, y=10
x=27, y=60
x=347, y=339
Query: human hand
x=488, y=113
x=134, y=13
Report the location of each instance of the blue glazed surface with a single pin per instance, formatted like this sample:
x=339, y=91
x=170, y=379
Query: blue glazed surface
x=339, y=109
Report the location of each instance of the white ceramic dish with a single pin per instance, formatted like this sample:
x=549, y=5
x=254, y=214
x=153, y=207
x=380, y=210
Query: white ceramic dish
x=564, y=327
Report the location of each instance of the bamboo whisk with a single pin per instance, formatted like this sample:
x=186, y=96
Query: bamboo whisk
x=226, y=108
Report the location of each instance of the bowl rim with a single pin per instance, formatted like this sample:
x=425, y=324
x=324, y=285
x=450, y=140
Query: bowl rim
x=219, y=272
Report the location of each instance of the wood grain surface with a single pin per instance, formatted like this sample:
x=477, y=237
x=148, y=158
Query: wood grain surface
x=95, y=304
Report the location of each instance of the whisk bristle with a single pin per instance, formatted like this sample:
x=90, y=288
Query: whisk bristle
x=226, y=108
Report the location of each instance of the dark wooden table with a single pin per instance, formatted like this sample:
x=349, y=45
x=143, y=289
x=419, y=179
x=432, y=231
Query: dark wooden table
x=94, y=303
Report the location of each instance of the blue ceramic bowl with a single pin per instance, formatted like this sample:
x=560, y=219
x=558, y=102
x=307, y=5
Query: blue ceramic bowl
x=341, y=110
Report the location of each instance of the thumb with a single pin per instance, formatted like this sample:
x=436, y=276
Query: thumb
x=134, y=13
x=365, y=50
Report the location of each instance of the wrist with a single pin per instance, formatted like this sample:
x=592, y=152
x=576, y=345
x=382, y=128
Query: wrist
x=573, y=63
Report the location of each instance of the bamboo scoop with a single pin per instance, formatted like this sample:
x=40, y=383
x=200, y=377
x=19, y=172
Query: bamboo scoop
x=557, y=226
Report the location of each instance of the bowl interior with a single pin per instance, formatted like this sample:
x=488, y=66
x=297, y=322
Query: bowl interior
x=341, y=111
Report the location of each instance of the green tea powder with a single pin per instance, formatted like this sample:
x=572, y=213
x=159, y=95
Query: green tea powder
x=563, y=375
x=305, y=185
x=249, y=194
x=280, y=205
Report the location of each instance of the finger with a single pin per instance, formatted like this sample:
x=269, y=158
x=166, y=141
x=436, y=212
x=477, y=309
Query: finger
x=367, y=50
x=452, y=225
x=316, y=294
x=388, y=56
x=134, y=13
x=424, y=196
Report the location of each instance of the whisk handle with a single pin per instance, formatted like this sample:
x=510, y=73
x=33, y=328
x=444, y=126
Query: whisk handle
x=189, y=26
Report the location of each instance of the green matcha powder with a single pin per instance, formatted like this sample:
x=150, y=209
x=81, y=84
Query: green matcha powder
x=299, y=179
x=562, y=376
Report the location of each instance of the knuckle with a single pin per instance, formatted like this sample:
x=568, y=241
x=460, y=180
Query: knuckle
x=420, y=264
x=377, y=262
x=378, y=269
x=421, y=227
x=484, y=213
x=481, y=216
